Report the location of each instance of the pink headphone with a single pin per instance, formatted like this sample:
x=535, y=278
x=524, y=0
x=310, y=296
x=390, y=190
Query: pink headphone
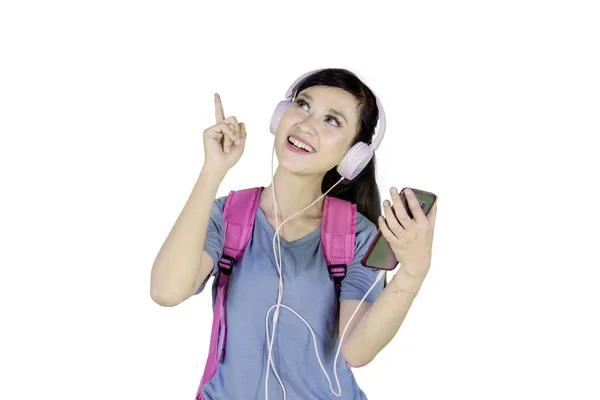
x=359, y=155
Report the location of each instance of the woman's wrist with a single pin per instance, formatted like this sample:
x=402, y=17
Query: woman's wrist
x=403, y=282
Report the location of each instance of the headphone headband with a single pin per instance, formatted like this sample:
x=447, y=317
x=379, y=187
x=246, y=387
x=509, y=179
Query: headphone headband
x=379, y=128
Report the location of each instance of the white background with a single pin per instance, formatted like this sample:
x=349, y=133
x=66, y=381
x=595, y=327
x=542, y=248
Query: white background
x=493, y=106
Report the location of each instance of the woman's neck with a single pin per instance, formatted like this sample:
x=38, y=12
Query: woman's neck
x=294, y=193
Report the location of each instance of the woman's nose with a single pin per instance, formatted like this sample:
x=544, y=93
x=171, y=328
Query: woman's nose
x=308, y=125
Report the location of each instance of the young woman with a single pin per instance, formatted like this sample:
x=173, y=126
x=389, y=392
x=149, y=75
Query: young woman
x=332, y=109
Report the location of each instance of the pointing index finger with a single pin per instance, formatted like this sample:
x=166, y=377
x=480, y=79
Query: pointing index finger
x=219, y=114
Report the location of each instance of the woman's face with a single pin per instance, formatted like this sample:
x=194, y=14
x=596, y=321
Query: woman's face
x=326, y=119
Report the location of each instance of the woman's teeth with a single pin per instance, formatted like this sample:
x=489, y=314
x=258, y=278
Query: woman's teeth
x=300, y=145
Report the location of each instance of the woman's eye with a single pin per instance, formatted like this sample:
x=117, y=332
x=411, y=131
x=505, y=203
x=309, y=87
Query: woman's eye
x=334, y=119
x=301, y=102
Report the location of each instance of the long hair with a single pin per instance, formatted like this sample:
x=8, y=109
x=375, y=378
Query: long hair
x=362, y=190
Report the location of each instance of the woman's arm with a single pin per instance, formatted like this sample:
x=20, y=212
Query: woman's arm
x=180, y=265
x=411, y=240
x=377, y=324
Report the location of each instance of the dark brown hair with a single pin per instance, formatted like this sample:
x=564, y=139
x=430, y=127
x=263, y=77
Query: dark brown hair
x=362, y=190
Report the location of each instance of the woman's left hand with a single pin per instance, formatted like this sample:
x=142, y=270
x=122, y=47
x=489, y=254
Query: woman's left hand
x=411, y=239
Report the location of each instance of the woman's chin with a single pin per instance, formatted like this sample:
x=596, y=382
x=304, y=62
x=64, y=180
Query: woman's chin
x=298, y=163
x=293, y=165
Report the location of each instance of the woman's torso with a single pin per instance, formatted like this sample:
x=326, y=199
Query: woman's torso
x=308, y=290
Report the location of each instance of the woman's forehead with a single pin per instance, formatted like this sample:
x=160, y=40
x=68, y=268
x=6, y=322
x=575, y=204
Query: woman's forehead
x=336, y=98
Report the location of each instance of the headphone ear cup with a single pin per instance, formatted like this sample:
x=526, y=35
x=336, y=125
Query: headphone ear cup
x=355, y=160
x=277, y=114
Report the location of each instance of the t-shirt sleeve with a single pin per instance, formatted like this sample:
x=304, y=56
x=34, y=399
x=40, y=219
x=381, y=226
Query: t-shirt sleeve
x=358, y=278
x=215, y=238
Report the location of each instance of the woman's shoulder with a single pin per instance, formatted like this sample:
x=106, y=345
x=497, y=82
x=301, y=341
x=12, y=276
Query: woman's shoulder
x=365, y=230
x=219, y=205
x=220, y=202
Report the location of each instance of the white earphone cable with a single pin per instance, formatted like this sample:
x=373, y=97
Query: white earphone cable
x=280, y=295
x=269, y=343
x=378, y=278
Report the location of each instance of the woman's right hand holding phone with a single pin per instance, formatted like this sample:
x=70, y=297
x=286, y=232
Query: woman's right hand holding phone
x=224, y=142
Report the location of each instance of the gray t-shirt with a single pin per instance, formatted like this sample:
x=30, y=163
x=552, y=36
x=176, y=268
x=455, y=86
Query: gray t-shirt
x=309, y=290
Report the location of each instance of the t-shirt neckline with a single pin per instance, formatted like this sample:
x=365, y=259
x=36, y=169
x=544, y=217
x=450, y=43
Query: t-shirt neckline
x=298, y=242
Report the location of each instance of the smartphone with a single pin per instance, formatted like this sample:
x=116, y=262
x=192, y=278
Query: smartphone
x=380, y=254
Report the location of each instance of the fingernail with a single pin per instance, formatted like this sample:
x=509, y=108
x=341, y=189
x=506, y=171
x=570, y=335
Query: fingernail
x=394, y=190
x=237, y=141
x=386, y=203
x=226, y=149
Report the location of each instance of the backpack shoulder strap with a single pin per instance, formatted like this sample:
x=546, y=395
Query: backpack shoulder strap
x=239, y=213
x=338, y=237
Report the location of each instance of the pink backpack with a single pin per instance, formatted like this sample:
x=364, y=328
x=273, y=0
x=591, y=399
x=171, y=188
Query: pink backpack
x=337, y=236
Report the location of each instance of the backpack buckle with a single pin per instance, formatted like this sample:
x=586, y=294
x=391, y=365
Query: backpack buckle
x=226, y=264
x=337, y=272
